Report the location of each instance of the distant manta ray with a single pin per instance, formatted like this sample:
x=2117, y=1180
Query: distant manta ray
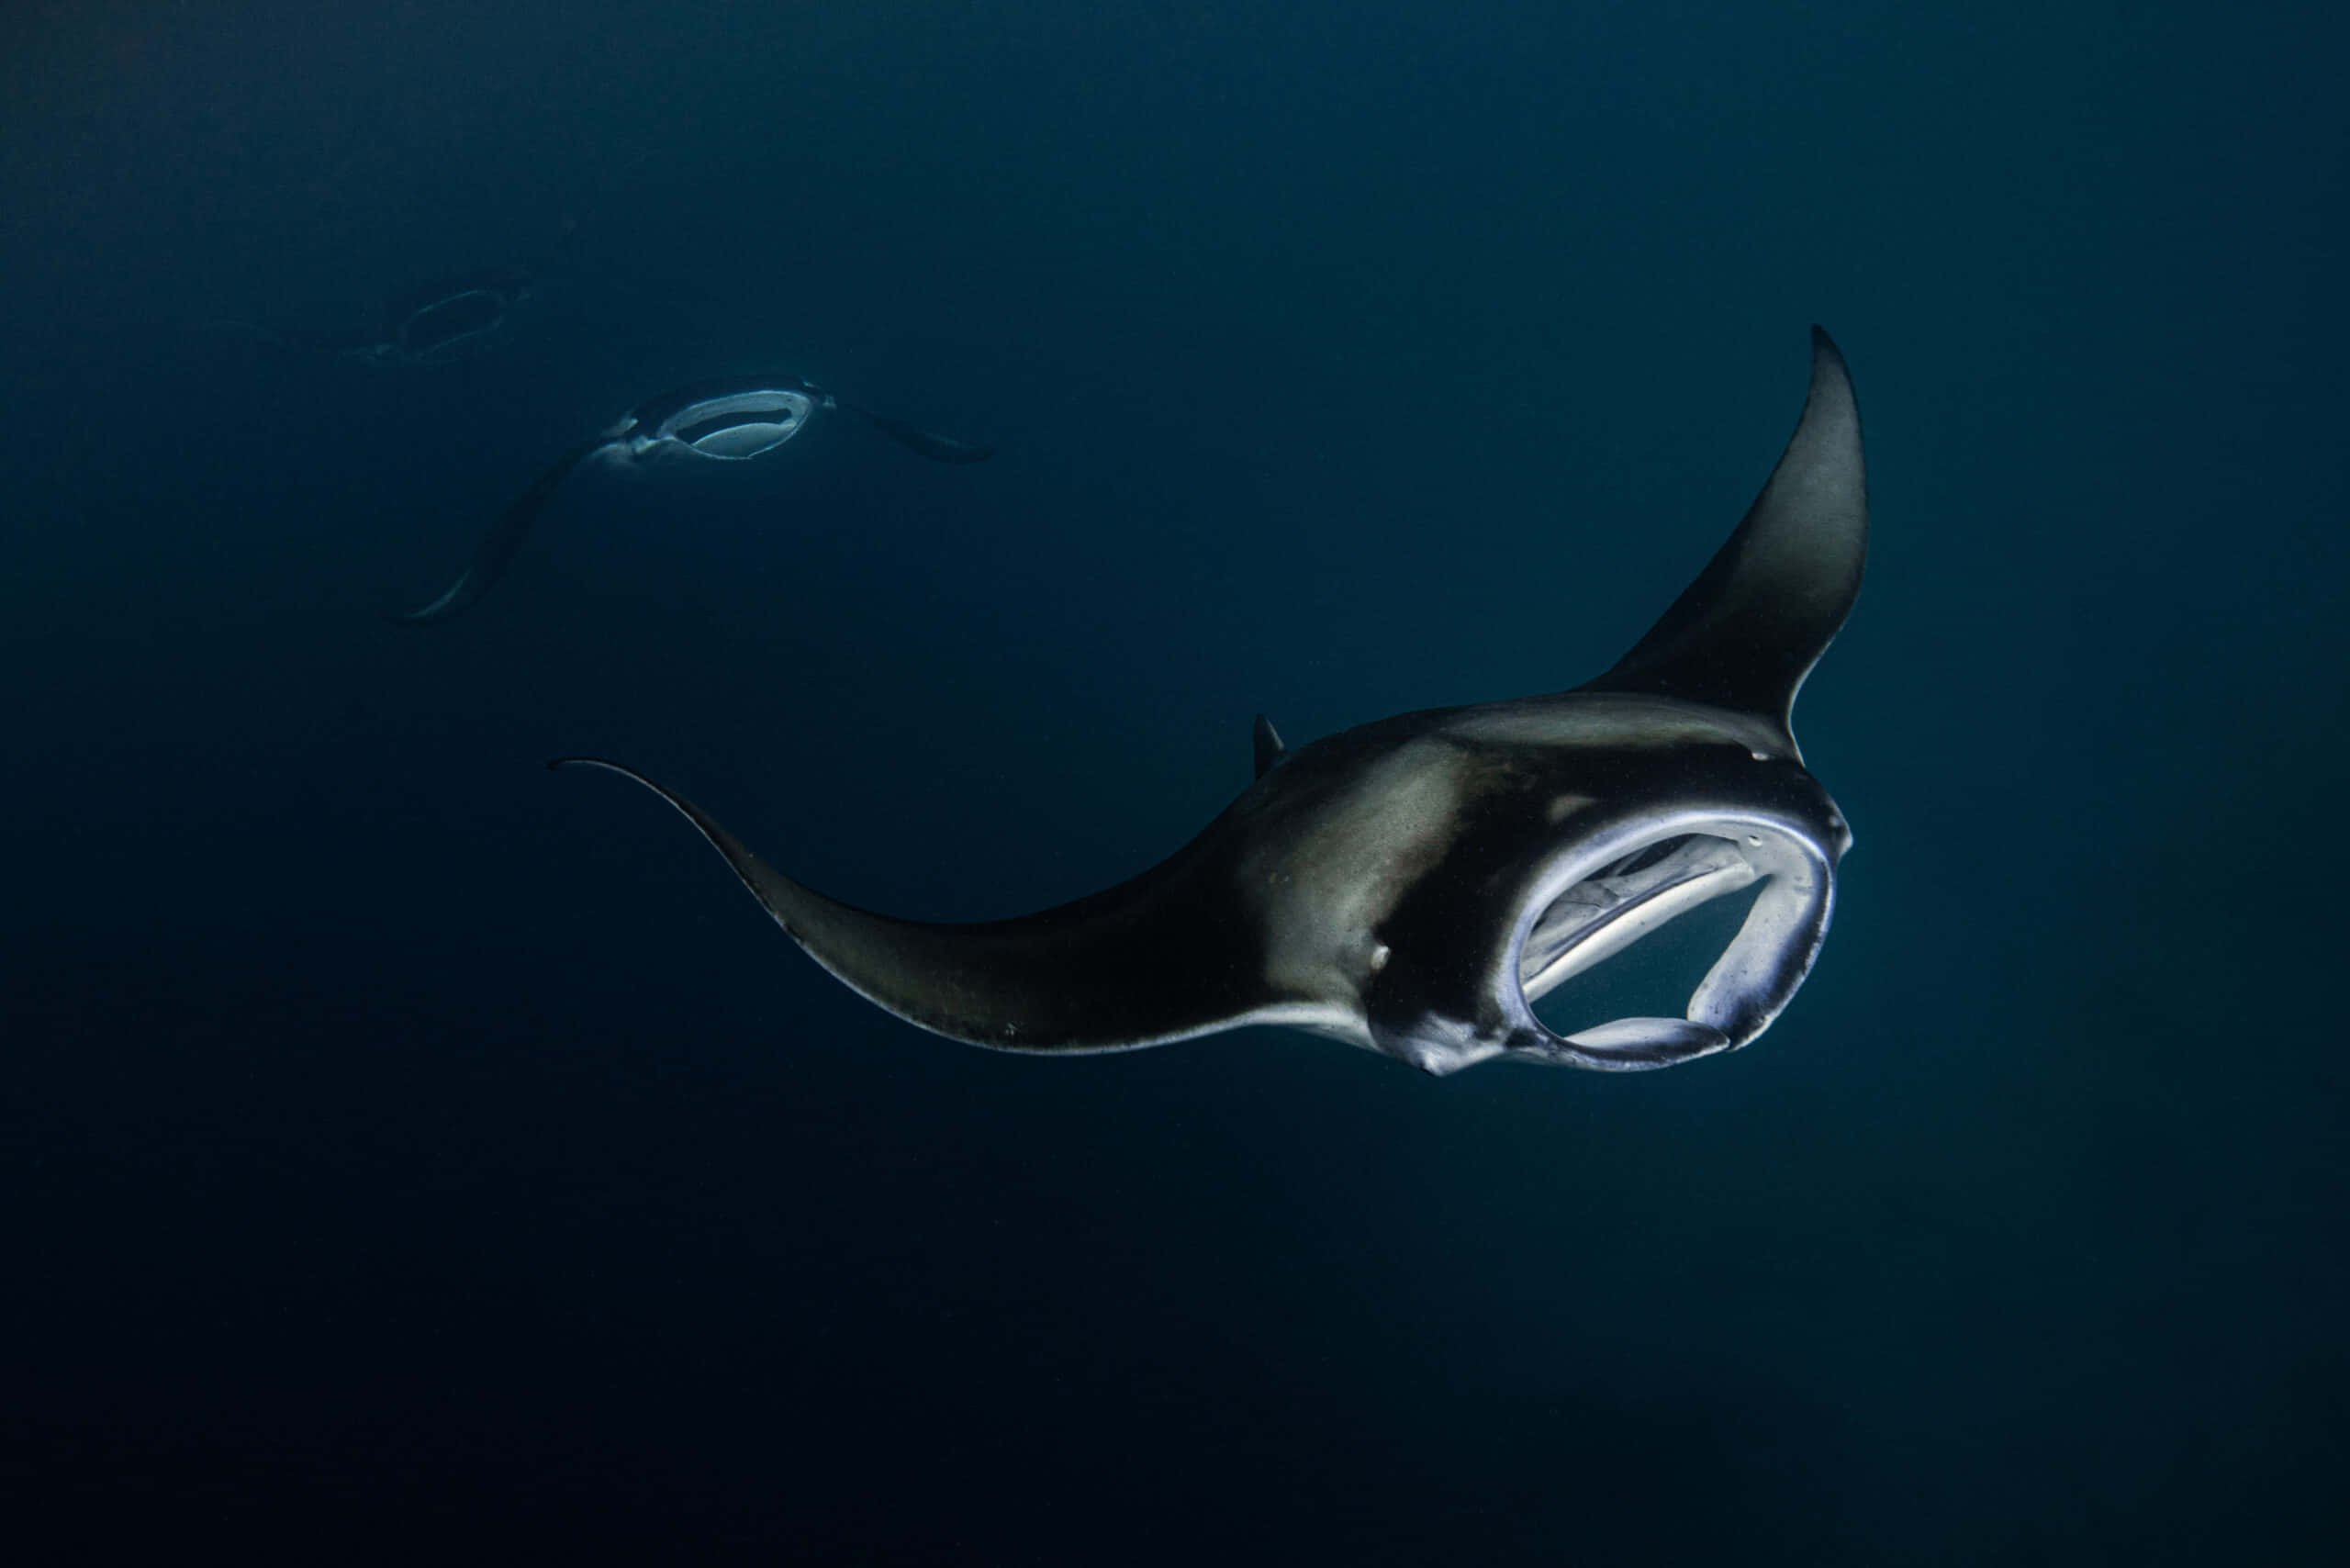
x=1412, y=886
x=710, y=421
x=437, y=323
x=455, y=316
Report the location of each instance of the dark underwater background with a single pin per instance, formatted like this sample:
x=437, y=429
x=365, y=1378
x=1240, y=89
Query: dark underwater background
x=405, y=1148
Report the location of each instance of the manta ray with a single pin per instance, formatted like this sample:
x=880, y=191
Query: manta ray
x=444, y=319
x=1412, y=886
x=735, y=421
x=462, y=316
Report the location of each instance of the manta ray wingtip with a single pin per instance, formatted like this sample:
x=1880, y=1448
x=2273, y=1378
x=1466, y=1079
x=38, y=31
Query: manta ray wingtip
x=1745, y=633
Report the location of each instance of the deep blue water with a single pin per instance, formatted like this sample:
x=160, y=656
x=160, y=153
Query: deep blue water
x=402, y=1146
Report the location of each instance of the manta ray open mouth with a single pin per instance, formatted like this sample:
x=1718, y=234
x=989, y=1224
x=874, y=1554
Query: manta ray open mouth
x=740, y=427
x=1609, y=907
x=1604, y=914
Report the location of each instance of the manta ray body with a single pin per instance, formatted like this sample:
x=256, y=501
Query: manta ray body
x=449, y=319
x=1414, y=885
x=735, y=421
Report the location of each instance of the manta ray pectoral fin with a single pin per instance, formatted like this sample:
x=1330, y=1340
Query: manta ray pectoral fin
x=498, y=546
x=928, y=444
x=1269, y=750
x=1142, y=964
x=1745, y=633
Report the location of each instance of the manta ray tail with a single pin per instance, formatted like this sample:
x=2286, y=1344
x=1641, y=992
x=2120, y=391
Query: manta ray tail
x=1745, y=633
x=498, y=546
x=1110, y=973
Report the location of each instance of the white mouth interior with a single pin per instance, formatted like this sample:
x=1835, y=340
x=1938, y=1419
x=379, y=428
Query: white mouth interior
x=1602, y=904
x=739, y=427
x=1607, y=911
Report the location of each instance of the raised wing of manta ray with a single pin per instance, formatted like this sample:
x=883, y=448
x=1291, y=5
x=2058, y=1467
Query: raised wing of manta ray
x=1412, y=886
x=712, y=421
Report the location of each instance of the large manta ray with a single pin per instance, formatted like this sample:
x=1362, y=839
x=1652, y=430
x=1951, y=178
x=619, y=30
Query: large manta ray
x=1412, y=885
